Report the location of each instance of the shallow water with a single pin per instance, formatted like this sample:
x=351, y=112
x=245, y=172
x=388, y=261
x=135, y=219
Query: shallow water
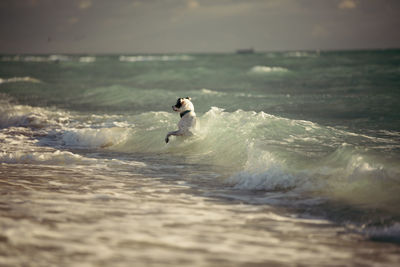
x=122, y=216
x=296, y=161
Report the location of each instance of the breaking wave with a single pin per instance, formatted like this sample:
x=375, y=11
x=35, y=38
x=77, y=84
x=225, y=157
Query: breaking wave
x=50, y=58
x=142, y=58
x=383, y=234
x=12, y=115
x=211, y=92
x=267, y=69
x=251, y=151
x=49, y=158
x=301, y=54
x=19, y=79
x=94, y=138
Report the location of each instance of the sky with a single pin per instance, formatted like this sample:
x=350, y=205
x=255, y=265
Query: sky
x=184, y=26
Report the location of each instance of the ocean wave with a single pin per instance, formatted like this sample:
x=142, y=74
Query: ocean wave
x=267, y=69
x=301, y=54
x=19, y=58
x=29, y=58
x=249, y=95
x=19, y=79
x=211, y=92
x=15, y=115
x=275, y=178
x=253, y=150
x=94, y=138
x=22, y=116
x=263, y=171
x=263, y=152
x=383, y=234
x=343, y=177
x=50, y=58
x=155, y=58
x=270, y=153
x=59, y=157
x=87, y=59
x=51, y=158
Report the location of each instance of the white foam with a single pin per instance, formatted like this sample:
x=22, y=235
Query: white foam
x=267, y=69
x=211, y=92
x=12, y=115
x=272, y=179
x=19, y=79
x=264, y=172
x=249, y=95
x=22, y=116
x=51, y=58
x=31, y=59
x=94, y=138
x=155, y=58
x=301, y=54
x=56, y=157
x=58, y=58
x=87, y=59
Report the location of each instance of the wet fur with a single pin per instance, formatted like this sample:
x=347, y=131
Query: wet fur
x=187, y=124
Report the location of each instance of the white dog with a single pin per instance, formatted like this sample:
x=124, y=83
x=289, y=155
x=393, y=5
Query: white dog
x=187, y=124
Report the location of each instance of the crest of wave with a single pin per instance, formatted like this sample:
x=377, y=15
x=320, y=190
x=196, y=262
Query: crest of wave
x=263, y=171
x=266, y=69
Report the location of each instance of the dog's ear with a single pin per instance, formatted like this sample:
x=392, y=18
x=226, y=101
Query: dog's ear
x=188, y=98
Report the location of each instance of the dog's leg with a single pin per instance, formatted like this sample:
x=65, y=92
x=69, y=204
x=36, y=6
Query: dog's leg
x=176, y=133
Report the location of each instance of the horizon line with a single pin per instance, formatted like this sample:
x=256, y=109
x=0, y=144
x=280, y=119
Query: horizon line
x=255, y=51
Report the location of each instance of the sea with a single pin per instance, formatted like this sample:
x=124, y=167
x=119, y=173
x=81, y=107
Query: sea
x=296, y=161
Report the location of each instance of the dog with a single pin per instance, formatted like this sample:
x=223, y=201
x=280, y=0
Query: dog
x=187, y=124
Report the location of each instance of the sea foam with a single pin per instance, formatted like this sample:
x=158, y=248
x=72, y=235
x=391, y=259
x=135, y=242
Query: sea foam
x=26, y=116
x=19, y=79
x=143, y=58
x=267, y=69
x=50, y=158
x=94, y=138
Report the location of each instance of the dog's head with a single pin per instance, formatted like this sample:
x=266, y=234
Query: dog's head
x=183, y=104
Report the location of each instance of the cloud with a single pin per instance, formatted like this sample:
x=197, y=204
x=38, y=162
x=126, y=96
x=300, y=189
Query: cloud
x=347, y=4
x=196, y=10
x=18, y=3
x=319, y=31
x=73, y=20
x=32, y=2
x=84, y=4
x=192, y=4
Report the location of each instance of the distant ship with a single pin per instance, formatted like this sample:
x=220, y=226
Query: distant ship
x=245, y=51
